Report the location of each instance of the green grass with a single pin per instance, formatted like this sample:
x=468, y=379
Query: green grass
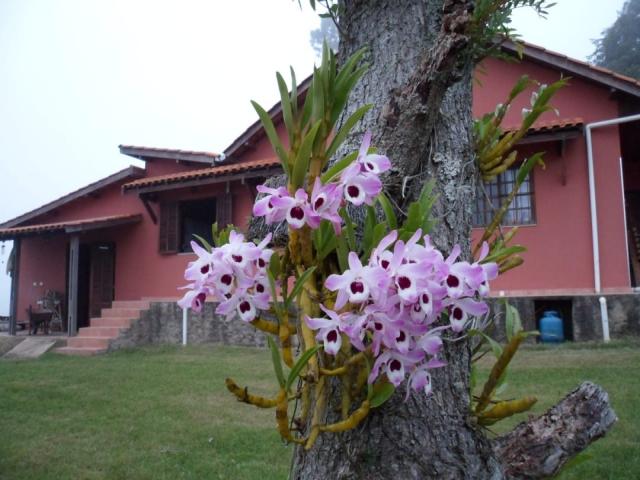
x=164, y=413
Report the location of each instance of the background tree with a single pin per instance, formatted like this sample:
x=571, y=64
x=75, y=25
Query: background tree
x=326, y=32
x=619, y=47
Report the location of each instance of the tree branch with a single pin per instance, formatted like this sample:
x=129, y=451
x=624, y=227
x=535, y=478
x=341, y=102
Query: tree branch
x=540, y=447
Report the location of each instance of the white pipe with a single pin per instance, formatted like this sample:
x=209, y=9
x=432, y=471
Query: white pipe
x=626, y=228
x=184, y=326
x=592, y=191
x=604, y=316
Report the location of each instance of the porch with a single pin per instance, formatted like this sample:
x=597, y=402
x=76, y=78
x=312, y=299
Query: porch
x=72, y=261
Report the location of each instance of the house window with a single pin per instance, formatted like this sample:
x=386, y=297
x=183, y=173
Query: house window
x=196, y=218
x=180, y=221
x=520, y=211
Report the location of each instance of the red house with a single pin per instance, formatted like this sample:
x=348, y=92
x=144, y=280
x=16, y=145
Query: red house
x=119, y=246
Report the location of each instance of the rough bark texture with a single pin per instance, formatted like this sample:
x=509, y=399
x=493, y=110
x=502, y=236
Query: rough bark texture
x=540, y=447
x=420, y=88
x=421, y=119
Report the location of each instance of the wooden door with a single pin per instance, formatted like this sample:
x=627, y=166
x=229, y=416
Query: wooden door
x=103, y=258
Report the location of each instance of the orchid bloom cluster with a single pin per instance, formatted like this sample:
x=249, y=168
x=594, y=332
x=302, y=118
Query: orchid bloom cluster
x=234, y=275
x=398, y=296
x=358, y=184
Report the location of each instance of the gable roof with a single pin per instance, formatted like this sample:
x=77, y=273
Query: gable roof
x=150, y=153
x=576, y=68
x=215, y=174
x=531, y=52
x=129, y=172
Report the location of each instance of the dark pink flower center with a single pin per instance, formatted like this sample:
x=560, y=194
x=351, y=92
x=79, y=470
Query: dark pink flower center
x=357, y=287
x=332, y=336
x=384, y=263
x=404, y=282
x=297, y=213
x=425, y=298
x=457, y=313
x=261, y=263
x=245, y=307
x=226, y=279
x=453, y=281
x=237, y=258
x=269, y=204
x=200, y=299
x=370, y=167
x=401, y=337
x=260, y=288
x=204, y=270
x=319, y=203
x=377, y=326
x=395, y=365
x=353, y=191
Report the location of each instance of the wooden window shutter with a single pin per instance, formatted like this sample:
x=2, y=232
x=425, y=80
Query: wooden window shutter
x=169, y=228
x=224, y=210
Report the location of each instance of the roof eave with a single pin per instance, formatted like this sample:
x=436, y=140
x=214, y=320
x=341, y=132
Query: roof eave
x=573, y=67
x=145, y=154
x=129, y=172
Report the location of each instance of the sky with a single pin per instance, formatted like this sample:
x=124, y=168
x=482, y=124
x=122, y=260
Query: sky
x=78, y=78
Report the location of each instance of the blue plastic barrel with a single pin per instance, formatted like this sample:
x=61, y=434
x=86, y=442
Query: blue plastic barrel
x=551, y=327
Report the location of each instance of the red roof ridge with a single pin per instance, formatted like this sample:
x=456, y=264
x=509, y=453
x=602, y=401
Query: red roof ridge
x=107, y=220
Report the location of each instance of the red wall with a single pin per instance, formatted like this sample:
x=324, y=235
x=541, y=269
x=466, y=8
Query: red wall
x=559, y=256
x=140, y=269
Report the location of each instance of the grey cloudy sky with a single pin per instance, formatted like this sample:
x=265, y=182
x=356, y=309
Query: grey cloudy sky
x=79, y=77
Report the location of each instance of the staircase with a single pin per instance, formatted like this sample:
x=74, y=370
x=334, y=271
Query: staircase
x=96, y=338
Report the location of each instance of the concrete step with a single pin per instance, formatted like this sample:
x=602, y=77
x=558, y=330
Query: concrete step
x=107, y=332
x=120, y=312
x=88, y=342
x=121, y=322
x=141, y=304
x=82, y=351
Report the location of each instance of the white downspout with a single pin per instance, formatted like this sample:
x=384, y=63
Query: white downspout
x=184, y=326
x=594, y=216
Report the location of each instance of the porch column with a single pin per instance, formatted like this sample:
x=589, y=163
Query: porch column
x=72, y=288
x=15, y=280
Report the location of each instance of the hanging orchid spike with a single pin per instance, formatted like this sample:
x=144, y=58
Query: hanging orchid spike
x=371, y=309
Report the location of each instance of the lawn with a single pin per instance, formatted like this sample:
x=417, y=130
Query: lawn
x=164, y=413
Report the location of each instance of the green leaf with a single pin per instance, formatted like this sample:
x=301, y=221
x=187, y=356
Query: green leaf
x=349, y=229
x=512, y=322
x=496, y=348
x=504, y=252
x=275, y=358
x=294, y=93
x=527, y=166
x=270, y=130
x=275, y=266
x=203, y=242
x=369, y=225
x=347, y=126
x=338, y=167
x=387, y=208
x=343, y=252
x=324, y=240
x=285, y=103
x=274, y=294
x=297, y=287
x=299, y=365
x=301, y=165
x=381, y=393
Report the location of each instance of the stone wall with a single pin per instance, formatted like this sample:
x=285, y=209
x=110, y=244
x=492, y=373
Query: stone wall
x=162, y=324
x=583, y=312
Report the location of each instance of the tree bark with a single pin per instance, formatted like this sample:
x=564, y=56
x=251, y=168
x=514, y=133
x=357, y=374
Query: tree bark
x=419, y=82
x=540, y=447
x=421, y=119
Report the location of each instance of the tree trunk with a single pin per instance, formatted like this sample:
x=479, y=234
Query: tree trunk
x=419, y=82
x=424, y=128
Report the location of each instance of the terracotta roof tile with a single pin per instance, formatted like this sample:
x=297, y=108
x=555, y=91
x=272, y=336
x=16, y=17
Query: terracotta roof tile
x=551, y=125
x=70, y=225
x=211, y=172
